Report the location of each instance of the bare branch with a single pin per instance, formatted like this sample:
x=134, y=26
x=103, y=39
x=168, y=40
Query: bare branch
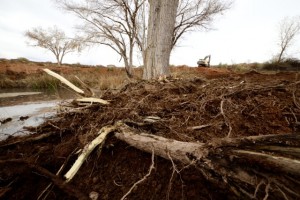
x=289, y=28
x=195, y=14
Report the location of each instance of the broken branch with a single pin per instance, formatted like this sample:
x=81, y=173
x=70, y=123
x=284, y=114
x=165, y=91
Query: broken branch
x=87, y=150
x=65, y=81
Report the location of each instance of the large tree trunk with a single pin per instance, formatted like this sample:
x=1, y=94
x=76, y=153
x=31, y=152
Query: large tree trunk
x=161, y=24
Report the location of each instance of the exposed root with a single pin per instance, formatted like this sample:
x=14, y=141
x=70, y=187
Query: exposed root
x=226, y=119
x=172, y=176
x=70, y=190
x=295, y=101
x=42, y=196
x=199, y=127
x=267, y=189
x=283, y=194
x=142, y=179
x=258, y=187
x=25, y=139
x=161, y=118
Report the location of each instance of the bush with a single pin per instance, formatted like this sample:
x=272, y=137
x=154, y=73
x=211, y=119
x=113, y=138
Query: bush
x=288, y=64
x=292, y=62
x=22, y=59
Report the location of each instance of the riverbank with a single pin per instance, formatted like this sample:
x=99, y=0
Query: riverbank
x=246, y=124
x=27, y=74
x=20, y=73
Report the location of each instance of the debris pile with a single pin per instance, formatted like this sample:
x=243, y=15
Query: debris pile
x=224, y=138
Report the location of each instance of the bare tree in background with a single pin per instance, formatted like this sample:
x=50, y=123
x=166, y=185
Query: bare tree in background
x=165, y=28
x=289, y=29
x=122, y=25
x=197, y=15
x=109, y=22
x=54, y=40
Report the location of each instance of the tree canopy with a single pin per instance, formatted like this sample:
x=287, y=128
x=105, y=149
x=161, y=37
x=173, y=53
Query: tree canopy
x=54, y=40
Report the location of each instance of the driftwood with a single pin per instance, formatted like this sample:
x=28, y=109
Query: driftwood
x=65, y=81
x=92, y=100
x=88, y=94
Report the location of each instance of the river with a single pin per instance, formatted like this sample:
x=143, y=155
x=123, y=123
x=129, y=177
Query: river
x=23, y=108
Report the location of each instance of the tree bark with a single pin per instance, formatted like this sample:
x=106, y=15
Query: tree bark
x=161, y=24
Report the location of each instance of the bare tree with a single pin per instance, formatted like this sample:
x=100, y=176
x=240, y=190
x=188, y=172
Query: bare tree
x=164, y=27
x=109, y=22
x=289, y=29
x=122, y=25
x=197, y=14
x=54, y=40
x=161, y=25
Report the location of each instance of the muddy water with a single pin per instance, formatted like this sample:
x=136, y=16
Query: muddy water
x=19, y=109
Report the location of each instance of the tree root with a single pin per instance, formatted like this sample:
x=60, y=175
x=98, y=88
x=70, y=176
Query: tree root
x=24, y=139
x=142, y=179
x=68, y=189
x=217, y=159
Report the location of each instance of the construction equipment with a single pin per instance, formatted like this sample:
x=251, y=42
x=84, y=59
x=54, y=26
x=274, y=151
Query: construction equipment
x=204, y=62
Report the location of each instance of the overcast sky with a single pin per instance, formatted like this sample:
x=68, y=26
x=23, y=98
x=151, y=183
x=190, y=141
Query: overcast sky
x=248, y=32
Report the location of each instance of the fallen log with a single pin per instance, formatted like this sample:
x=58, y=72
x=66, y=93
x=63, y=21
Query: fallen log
x=184, y=152
x=238, y=164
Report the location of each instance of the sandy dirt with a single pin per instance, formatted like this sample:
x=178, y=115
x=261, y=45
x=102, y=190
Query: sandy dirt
x=228, y=104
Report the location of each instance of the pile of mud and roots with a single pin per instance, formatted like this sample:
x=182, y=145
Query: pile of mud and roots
x=234, y=137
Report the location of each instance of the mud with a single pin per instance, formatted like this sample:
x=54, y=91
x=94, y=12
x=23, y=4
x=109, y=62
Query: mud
x=222, y=103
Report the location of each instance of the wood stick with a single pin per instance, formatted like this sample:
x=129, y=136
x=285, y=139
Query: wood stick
x=87, y=151
x=65, y=81
x=92, y=100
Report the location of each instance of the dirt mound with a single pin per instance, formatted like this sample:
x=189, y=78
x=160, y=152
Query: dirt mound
x=189, y=110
